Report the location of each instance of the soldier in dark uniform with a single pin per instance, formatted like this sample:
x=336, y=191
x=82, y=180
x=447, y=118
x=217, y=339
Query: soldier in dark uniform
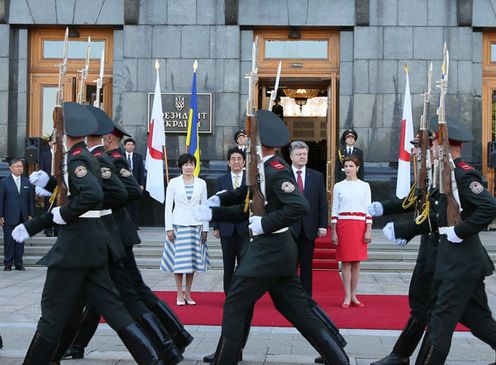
x=269, y=263
x=77, y=262
x=347, y=148
x=115, y=197
x=462, y=262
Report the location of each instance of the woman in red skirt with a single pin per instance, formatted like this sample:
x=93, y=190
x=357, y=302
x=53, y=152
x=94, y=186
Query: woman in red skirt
x=351, y=227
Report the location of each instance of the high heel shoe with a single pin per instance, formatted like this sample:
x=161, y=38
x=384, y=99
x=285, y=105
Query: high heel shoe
x=357, y=304
x=180, y=302
x=190, y=301
x=345, y=305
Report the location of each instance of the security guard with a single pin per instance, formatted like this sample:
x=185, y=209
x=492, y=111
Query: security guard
x=115, y=197
x=269, y=263
x=462, y=262
x=77, y=261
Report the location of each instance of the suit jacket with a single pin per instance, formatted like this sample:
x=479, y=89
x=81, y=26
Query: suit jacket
x=342, y=153
x=138, y=168
x=16, y=207
x=315, y=192
x=227, y=229
x=178, y=207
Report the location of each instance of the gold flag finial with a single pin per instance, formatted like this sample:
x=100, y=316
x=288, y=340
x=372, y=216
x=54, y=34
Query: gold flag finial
x=195, y=65
x=405, y=67
x=157, y=65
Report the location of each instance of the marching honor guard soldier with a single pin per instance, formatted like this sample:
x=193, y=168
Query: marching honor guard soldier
x=462, y=262
x=347, y=148
x=114, y=197
x=269, y=263
x=77, y=262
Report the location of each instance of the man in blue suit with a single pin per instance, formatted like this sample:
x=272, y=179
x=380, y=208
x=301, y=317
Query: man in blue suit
x=16, y=206
x=313, y=224
x=136, y=166
x=231, y=234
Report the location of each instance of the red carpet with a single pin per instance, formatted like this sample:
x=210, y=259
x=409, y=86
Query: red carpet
x=388, y=312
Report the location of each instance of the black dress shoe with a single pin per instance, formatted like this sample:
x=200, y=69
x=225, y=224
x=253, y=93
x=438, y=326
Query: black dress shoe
x=20, y=268
x=210, y=358
x=7, y=268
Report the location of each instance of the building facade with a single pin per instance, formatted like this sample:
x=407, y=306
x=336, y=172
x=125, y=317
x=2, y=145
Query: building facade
x=351, y=53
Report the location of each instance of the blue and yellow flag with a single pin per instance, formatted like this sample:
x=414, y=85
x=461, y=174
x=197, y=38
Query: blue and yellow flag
x=192, y=138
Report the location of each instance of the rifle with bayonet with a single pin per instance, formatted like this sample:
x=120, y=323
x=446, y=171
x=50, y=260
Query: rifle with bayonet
x=255, y=173
x=444, y=175
x=273, y=93
x=81, y=97
x=99, y=81
x=59, y=165
x=423, y=165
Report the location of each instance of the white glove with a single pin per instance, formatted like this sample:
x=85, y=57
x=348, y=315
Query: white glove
x=57, y=218
x=39, y=191
x=213, y=201
x=450, y=234
x=256, y=225
x=375, y=209
x=322, y=232
x=388, y=231
x=202, y=213
x=20, y=234
x=39, y=178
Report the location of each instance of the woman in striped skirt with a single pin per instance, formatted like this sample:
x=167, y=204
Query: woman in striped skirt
x=185, y=248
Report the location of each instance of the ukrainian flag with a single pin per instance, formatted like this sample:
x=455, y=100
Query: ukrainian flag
x=192, y=138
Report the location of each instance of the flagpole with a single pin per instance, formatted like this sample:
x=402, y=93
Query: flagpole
x=157, y=67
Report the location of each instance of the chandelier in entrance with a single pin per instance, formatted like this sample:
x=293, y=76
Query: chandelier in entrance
x=301, y=95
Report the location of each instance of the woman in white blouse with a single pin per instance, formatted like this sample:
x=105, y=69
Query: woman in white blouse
x=185, y=248
x=351, y=227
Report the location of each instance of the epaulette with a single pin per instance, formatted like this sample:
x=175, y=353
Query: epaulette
x=464, y=166
x=77, y=151
x=116, y=154
x=277, y=165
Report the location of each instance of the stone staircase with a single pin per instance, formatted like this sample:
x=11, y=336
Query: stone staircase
x=383, y=256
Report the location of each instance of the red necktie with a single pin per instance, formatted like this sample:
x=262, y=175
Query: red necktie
x=299, y=180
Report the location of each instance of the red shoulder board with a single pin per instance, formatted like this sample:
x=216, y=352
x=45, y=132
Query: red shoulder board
x=116, y=155
x=277, y=165
x=465, y=166
x=97, y=154
x=77, y=151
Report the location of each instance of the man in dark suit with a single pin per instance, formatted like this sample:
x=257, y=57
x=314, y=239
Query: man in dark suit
x=314, y=224
x=16, y=206
x=232, y=235
x=135, y=163
x=347, y=147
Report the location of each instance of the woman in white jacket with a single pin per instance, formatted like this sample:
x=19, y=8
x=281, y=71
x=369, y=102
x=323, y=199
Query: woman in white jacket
x=185, y=248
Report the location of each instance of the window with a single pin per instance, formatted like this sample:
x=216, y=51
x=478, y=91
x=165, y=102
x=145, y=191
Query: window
x=296, y=49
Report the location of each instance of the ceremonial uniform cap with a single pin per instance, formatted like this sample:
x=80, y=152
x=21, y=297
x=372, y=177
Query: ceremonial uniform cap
x=105, y=124
x=78, y=121
x=272, y=130
x=236, y=135
x=457, y=132
x=119, y=132
x=347, y=133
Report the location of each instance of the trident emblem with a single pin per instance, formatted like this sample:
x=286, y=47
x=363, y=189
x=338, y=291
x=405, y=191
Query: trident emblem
x=179, y=102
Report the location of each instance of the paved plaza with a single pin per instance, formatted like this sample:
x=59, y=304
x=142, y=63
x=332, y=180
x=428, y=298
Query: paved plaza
x=19, y=311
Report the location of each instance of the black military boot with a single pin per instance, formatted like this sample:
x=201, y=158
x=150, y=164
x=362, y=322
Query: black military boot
x=1, y=342
x=139, y=346
x=87, y=328
x=173, y=325
x=210, y=357
x=40, y=350
x=327, y=346
x=227, y=352
x=429, y=355
x=392, y=359
x=166, y=349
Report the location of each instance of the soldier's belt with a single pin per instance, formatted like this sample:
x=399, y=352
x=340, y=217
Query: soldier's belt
x=278, y=231
x=96, y=213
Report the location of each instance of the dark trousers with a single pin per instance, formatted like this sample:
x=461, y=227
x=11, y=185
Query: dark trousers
x=12, y=250
x=66, y=289
x=463, y=301
x=144, y=292
x=132, y=209
x=422, y=294
x=232, y=249
x=289, y=297
x=305, y=257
